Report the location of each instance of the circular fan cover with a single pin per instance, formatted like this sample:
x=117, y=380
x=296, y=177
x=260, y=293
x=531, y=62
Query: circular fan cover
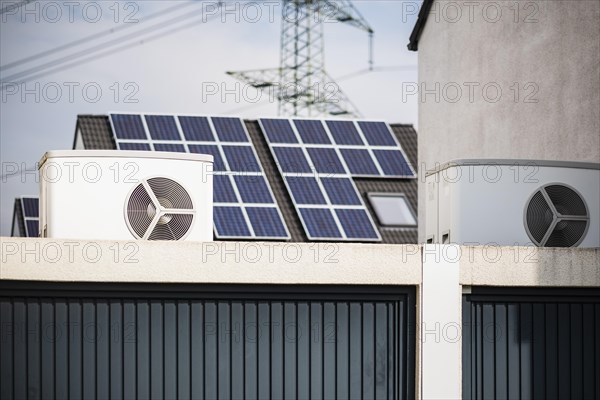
x=159, y=209
x=556, y=216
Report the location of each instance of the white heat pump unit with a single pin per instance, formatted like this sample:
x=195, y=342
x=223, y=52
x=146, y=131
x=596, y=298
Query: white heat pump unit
x=122, y=195
x=514, y=202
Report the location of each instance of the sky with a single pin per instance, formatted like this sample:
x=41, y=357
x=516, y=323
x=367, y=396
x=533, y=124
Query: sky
x=182, y=72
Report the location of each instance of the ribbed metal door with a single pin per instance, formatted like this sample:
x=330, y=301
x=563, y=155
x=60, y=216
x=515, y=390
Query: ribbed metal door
x=126, y=342
x=531, y=344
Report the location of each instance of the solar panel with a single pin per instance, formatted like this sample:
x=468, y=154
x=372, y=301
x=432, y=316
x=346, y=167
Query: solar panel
x=319, y=178
x=223, y=191
x=319, y=222
x=357, y=224
x=325, y=160
x=344, y=132
x=377, y=133
x=355, y=148
x=196, y=129
x=30, y=207
x=162, y=127
x=305, y=190
x=177, y=148
x=218, y=164
x=291, y=159
x=278, y=130
x=392, y=162
x=253, y=189
x=341, y=191
x=31, y=215
x=241, y=158
x=128, y=126
x=242, y=195
x=359, y=162
x=135, y=146
x=230, y=222
x=311, y=131
x=230, y=129
x=33, y=227
x=266, y=221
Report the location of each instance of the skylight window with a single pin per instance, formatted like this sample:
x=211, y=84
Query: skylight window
x=393, y=209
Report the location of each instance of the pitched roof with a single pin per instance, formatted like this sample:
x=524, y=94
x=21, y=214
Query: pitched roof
x=94, y=132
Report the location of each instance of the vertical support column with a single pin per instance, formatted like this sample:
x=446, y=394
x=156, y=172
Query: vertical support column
x=441, y=344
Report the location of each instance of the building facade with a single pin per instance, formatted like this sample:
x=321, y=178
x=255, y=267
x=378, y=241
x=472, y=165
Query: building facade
x=507, y=80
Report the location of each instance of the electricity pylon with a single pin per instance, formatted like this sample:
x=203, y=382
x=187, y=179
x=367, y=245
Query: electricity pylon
x=301, y=84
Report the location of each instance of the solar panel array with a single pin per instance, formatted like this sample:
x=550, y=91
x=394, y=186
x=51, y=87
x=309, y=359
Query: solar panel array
x=31, y=215
x=244, y=204
x=318, y=160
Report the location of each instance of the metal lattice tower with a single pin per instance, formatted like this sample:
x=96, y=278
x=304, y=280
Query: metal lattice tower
x=301, y=84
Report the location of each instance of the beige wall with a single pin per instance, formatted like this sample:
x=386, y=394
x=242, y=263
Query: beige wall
x=554, y=60
x=289, y=263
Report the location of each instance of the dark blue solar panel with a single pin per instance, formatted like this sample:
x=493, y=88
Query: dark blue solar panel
x=162, y=127
x=134, y=146
x=279, y=131
x=359, y=162
x=229, y=221
x=32, y=228
x=305, y=190
x=341, y=191
x=356, y=224
x=319, y=223
x=128, y=126
x=377, y=133
x=312, y=132
x=253, y=189
x=177, y=148
x=196, y=129
x=291, y=159
x=223, y=190
x=393, y=162
x=218, y=164
x=266, y=222
x=31, y=207
x=241, y=159
x=229, y=129
x=326, y=161
x=344, y=132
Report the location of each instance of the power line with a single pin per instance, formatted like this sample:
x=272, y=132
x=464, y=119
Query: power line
x=92, y=37
x=115, y=50
x=377, y=69
x=14, y=6
x=96, y=48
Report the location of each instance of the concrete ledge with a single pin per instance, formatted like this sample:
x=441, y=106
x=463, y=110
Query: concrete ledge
x=289, y=263
x=214, y=262
x=529, y=266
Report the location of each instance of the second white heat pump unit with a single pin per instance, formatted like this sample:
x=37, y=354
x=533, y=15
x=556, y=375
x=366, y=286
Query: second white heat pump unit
x=122, y=195
x=514, y=202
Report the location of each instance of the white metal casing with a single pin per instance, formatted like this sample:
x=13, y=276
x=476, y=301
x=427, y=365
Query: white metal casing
x=83, y=193
x=483, y=201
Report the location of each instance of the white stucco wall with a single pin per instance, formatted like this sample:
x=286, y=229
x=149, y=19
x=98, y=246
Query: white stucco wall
x=549, y=50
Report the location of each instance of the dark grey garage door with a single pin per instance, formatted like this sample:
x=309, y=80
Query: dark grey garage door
x=214, y=342
x=531, y=344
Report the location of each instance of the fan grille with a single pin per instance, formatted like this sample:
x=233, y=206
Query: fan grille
x=137, y=210
x=556, y=216
x=157, y=209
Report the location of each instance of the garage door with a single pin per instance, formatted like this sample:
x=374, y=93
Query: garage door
x=531, y=344
x=125, y=341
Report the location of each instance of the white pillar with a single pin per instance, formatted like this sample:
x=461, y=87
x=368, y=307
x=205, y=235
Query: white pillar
x=441, y=345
